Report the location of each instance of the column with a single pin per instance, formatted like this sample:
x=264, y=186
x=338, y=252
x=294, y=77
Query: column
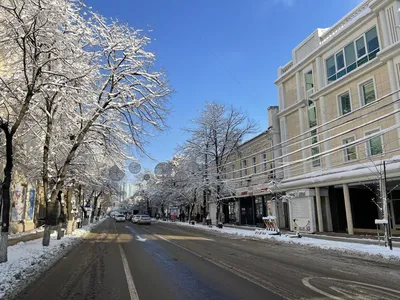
x=298, y=85
x=325, y=135
x=284, y=146
x=384, y=27
x=320, y=73
x=319, y=209
x=303, y=129
x=328, y=213
x=281, y=95
x=347, y=205
x=394, y=87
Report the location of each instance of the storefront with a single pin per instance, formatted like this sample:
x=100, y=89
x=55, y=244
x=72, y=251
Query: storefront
x=261, y=195
x=247, y=206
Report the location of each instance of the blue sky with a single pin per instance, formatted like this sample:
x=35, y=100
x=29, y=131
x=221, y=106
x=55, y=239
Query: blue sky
x=221, y=50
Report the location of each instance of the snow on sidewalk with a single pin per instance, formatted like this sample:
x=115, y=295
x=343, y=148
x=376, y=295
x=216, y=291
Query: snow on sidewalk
x=374, y=250
x=27, y=259
x=21, y=234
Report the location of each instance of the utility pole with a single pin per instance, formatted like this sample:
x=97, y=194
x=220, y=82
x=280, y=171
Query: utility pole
x=205, y=191
x=388, y=233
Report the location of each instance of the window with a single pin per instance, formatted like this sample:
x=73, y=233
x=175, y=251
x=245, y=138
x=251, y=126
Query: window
x=368, y=92
x=350, y=153
x=315, y=150
x=360, y=45
x=244, y=167
x=233, y=170
x=344, y=103
x=341, y=71
x=374, y=145
x=372, y=42
x=312, y=114
x=314, y=138
x=331, y=69
x=352, y=56
x=309, y=84
x=316, y=161
x=264, y=159
x=254, y=166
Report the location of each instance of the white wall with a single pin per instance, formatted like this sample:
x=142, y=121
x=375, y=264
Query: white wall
x=303, y=210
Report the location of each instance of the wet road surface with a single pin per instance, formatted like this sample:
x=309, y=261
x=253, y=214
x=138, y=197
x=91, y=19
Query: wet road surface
x=168, y=261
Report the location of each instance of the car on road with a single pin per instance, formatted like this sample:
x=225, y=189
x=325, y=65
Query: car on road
x=144, y=219
x=135, y=218
x=120, y=218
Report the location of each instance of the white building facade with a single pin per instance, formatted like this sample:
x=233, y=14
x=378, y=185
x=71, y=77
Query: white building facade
x=339, y=117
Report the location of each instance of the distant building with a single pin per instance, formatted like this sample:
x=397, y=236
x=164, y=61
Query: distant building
x=248, y=172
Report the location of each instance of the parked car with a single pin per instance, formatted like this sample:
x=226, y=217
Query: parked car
x=120, y=218
x=129, y=216
x=135, y=218
x=144, y=219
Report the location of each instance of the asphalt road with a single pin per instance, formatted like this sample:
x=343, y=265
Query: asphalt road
x=168, y=261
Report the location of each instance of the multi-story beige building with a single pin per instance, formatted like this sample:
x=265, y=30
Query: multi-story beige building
x=248, y=172
x=339, y=116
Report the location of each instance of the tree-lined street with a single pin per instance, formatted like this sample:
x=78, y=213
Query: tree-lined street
x=167, y=261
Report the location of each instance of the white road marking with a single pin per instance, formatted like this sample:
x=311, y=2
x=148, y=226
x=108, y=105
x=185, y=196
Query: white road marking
x=306, y=282
x=138, y=238
x=131, y=285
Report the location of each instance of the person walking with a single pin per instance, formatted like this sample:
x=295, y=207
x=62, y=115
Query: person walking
x=208, y=219
x=79, y=221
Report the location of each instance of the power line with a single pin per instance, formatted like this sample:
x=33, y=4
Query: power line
x=286, y=143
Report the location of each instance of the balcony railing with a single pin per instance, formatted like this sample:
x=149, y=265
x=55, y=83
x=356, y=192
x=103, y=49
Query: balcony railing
x=286, y=67
x=361, y=10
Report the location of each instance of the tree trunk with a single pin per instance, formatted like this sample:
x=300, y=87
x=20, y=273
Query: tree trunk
x=218, y=201
x=60, y=217
x=45, y=176
x=191, y=211
x=94, y=206
x=5, y=193
x=70, y=220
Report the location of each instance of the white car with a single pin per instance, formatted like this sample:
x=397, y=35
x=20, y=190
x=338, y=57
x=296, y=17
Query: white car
x=119, y=218
x=135, y=218
x=144, y=219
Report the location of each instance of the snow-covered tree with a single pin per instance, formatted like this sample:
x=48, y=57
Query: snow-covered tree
x=32, y=46
x=217, y=132
x=83, y=87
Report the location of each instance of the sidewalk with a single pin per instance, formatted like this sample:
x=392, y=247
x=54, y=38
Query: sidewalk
x=362, y=246
x=330, y=236
x=27, y=258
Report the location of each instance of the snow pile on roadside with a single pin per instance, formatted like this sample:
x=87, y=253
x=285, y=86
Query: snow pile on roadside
x=27, y=259
x=374, y=250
